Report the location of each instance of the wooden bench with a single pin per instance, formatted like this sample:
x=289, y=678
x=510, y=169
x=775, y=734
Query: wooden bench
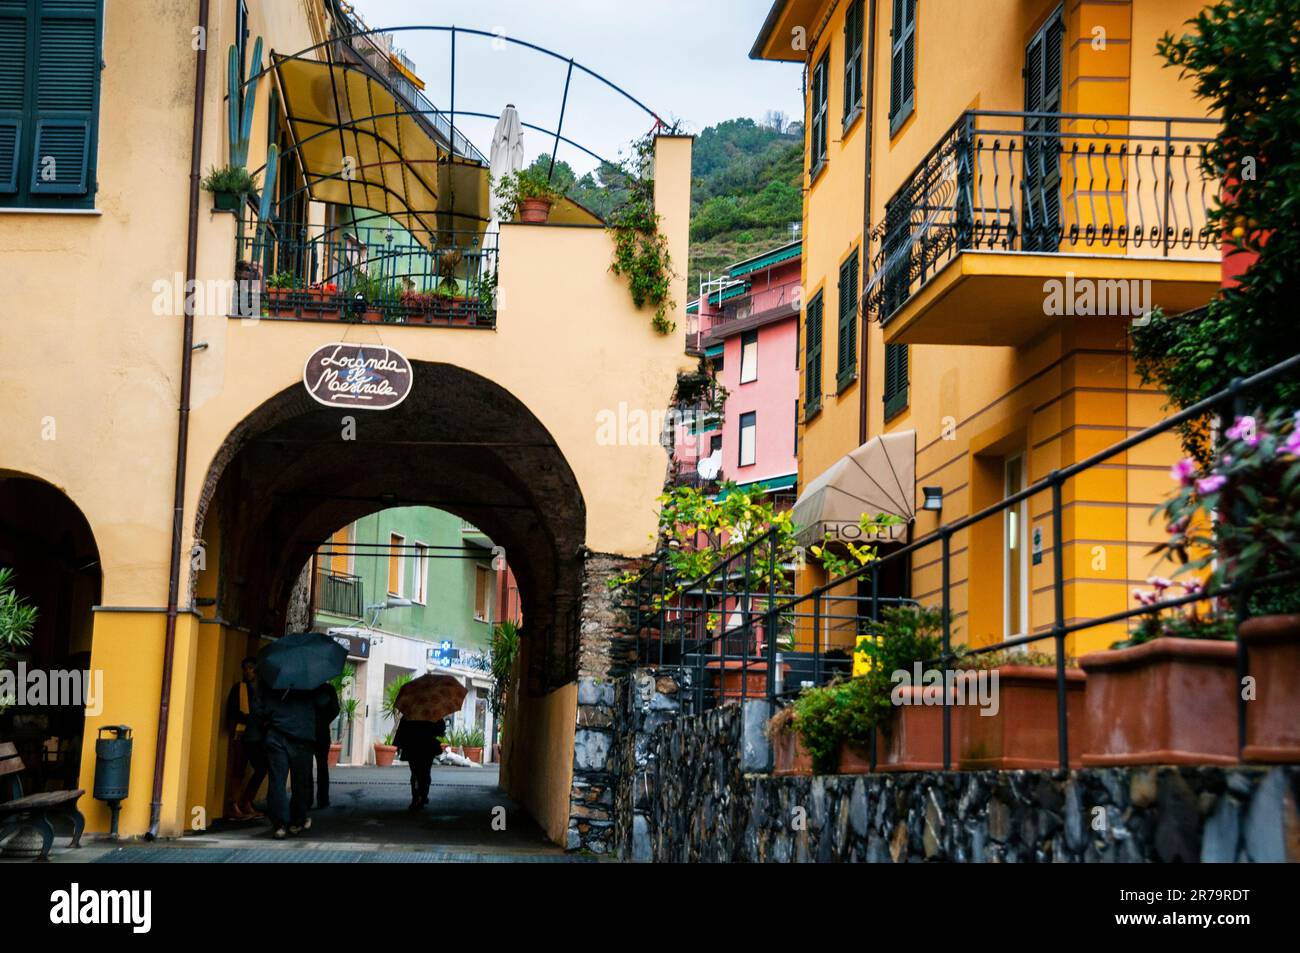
x=34, y=810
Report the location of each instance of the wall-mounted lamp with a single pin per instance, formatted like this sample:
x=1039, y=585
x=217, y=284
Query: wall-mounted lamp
x=933, y=498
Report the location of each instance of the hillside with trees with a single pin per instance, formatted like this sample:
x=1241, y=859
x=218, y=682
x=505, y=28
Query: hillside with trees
x=745, y=190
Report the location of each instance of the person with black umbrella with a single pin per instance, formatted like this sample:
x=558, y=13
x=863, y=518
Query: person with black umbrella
x=291, y=670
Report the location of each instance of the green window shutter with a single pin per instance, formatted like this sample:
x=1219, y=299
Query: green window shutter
x=820, y=86
x=852, y=59
x=812, y=373
x=13, y=92
x=846, y=366
x=902, y=63
x=895, y=380
x=66, y=101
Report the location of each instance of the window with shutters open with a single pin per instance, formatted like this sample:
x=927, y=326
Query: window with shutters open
x=852, y=63
x=812, y=365
x=817, y=134
x=846, y=358
x=902, y=63
x=895, y=380
x=49, y=102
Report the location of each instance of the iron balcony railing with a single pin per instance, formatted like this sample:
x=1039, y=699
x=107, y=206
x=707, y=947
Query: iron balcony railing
x=1051, y=183
x=367, y=273
x=340, y=593
x=728, y=623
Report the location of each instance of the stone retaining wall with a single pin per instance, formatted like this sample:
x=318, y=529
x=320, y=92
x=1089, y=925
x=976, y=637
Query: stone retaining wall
x=707, y=809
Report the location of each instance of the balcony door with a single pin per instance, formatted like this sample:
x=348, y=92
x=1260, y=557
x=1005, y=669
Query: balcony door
x=1040, y=225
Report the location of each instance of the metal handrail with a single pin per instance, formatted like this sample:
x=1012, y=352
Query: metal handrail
x=1047, y=187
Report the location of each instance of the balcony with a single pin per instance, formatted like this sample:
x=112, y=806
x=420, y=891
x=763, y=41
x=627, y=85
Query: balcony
x=340, y=594
x=1010, y=214
x=367, y=274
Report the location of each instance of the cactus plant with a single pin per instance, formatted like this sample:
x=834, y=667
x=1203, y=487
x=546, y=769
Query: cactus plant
x=240, y=127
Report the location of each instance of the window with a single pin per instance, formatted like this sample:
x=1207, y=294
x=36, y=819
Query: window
x=715, y=443
x=482, y=592
x=796, y=427
x=812, y=365
x=895, y=380
x=749, y=356
x=421, y=574
x=748, y=438
x=340, y=552
x=49, y=102
x=817, y=138
x=852, y=62
x=846, y=358
x=902, y=63
x=395, y=564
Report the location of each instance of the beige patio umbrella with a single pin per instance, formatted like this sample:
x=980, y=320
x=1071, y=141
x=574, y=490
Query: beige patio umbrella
x=877, y=477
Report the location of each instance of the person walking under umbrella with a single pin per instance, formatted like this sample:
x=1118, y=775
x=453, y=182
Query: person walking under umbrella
x=423, y=703
x=246, y=746
x=291, y=669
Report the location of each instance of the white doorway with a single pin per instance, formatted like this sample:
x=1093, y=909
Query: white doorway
x=1015, y=566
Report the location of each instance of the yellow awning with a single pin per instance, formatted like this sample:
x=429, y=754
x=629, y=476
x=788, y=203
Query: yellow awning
x=361, y=146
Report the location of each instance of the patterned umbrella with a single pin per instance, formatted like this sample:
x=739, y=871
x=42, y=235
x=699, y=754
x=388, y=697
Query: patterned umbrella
x=430, y=697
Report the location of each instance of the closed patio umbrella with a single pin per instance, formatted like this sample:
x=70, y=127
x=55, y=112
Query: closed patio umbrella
x=505, y=156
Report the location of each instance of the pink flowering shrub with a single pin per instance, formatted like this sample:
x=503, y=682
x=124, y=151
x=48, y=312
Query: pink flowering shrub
x=1241, y=519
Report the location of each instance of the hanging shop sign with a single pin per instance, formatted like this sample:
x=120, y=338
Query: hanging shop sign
x=366, y=376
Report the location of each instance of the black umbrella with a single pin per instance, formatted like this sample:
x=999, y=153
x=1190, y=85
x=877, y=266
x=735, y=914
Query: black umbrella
x=302, y=660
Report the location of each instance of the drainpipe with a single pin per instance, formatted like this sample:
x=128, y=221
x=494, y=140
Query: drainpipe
x=182, y=431
x=870, y=106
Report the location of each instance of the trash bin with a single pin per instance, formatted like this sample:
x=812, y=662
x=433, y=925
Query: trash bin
x=113, y=764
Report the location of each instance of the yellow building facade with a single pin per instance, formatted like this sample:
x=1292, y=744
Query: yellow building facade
x=1016, y=181
x=499, y=426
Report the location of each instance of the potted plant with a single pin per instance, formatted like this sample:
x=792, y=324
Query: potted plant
x=1167, y=694
x=788, y=753
x=473, y=744
x=1009, y=717
x=386, y=751
x=17, y=619
x=528, y=195
x=281, y=289
x=907, y=717
x=230, y=186
x=1241, y=520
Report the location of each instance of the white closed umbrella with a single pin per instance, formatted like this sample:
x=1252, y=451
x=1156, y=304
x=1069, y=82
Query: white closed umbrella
x=505, y=156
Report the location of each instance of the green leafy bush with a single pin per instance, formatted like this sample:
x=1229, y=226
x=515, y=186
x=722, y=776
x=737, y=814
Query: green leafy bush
x=234, y=179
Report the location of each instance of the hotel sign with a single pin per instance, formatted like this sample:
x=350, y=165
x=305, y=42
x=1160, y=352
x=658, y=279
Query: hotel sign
x=367, y=376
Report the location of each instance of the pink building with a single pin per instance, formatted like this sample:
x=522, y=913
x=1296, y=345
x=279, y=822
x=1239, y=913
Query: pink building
x=746, y=324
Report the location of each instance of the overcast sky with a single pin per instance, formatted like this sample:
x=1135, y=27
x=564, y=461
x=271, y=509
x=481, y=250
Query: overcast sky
x=685, y=59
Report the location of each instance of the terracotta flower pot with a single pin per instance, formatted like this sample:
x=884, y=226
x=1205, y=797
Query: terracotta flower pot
x=854, y=759
x=1167, y=701
x=1273, y=717
x=914, y=741
x=336, y=752
x=384, y=755
x=1021, y=733
x=791, y=757
x=474, y=754
x=535, y=211
x=496, y=754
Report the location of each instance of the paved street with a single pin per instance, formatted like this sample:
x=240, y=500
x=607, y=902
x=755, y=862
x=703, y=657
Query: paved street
x=367, y=821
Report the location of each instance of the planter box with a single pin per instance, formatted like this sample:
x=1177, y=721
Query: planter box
x=915, y=739
x=1168, y=701
x=734, y=680
x=227, y=201
x=855, y=759
x=1022, y=735
x=789, y=754
x=1273, y=717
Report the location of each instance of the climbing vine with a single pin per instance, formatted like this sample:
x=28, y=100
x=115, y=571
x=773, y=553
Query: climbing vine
x=640, y=249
